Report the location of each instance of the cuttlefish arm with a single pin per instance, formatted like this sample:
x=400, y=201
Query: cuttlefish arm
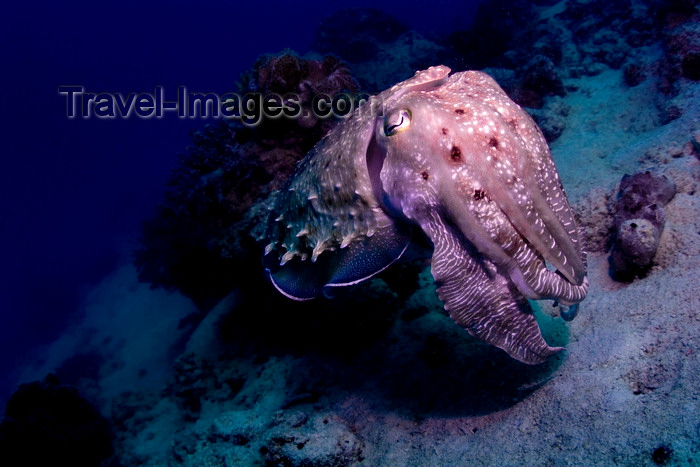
x=473, y=171
x=532, y=196
x=481, y=300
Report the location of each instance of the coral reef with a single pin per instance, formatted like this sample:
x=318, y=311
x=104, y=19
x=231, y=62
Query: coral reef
x=681, y=39
x=581, y=38
x=484, y=44
x=286, y=73
x=380, y=50
x=639, y=222
x=398, y=60
x=529, y=57
x=355, y=34
x=47, y=423
x=551, y=117
x=199, y=240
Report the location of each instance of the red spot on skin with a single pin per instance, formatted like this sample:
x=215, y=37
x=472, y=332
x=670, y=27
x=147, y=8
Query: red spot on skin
x=456, y=154
x=459, y=111
x=493, y=142
x=444, y=131
x=425, y=175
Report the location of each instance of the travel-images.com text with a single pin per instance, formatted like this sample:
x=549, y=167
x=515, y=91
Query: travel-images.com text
x=249, y=108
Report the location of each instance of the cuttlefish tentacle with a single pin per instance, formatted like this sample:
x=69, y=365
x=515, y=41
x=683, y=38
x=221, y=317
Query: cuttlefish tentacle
x=546, y=283
x=510, y=231
x=519, y=260
x=534, y=195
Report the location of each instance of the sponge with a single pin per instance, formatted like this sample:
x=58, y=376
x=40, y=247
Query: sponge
x=639, y=222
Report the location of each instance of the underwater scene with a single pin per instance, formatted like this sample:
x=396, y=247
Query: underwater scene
x=330, y=233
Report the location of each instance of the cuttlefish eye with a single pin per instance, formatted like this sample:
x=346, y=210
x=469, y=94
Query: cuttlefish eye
x=396, y=121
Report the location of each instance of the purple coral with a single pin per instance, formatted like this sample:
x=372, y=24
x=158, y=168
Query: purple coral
x=288, y=73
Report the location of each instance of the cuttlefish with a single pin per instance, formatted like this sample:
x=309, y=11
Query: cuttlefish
x=453, y=159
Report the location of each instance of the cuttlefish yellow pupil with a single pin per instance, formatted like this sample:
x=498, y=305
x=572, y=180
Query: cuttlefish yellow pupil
x=397, y=121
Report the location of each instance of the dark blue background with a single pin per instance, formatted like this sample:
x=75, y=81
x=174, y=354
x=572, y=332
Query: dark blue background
x=74, y=192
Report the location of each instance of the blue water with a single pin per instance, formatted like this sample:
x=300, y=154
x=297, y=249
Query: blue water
x=75, y=191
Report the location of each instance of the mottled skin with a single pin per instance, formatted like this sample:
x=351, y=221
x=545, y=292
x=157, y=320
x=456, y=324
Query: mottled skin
x=454, y=157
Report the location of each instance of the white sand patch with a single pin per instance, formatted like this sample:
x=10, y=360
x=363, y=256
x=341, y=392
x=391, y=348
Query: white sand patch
x=606, y=118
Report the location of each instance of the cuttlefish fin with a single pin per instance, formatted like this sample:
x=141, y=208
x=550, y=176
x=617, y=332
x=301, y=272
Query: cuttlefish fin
x=358, y=261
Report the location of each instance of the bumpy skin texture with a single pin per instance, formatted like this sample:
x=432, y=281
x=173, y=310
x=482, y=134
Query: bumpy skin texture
x=453, y=157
